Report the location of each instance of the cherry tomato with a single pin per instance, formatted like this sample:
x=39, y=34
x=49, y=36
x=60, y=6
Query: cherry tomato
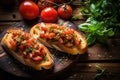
x=29, y=10
x=45, y=3
x=65, y=11
x=49, y=14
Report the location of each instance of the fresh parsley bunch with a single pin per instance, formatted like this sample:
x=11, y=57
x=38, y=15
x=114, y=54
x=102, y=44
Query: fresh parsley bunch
x=103, y=21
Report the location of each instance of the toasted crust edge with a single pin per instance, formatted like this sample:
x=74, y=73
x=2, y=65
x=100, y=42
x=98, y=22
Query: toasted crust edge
x=82, y=48
x=38, y=66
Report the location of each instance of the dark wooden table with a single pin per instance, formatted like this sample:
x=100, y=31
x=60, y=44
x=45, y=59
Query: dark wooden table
x=105, y=56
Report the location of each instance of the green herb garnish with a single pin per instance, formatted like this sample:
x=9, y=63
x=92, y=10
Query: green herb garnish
x=102, y=73
x=103, y=20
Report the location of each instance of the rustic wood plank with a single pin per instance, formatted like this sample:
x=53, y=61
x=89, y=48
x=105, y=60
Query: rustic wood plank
x=87, y=71
x=81, y=71
x=5, y=25
x=101, y=52
x=9, y=15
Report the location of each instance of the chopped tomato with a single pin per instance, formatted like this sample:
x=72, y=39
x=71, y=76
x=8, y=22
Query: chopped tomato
x=61, y=27
x=42, y=34
x=12, y=43
x=41, y=48
x=37, y=58
x=43, y=52
x=51, y=35
x=22, y=47
x=71, y=30
x=26, y=36
x=15, y=34
x=77, y=42
x=68, y=44
x=46, y=35
x=54, y=26
x=68, y=37
x=67, y=32
x=30, y=41
x=30, y=55
x=60, y=41
x=44, y=28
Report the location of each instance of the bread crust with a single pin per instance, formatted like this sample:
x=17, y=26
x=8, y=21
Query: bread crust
x=46, y=64
x=80, y=49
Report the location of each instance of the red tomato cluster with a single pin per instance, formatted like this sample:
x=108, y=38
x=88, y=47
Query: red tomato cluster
x=44, y=8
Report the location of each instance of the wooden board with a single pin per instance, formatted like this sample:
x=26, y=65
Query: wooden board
x=62, y=61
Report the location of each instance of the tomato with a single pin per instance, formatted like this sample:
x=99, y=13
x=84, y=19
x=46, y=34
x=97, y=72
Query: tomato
x=65, y=11
x=13, y=43
x=42, y=34
x=49, y=14
x=77, y=42
x=45, y=3
x=44, y=28
x=37, y=58
x=22, y=48
x=68, y=44
x=29, y=10
x=51, y=35
x=62, y=27
x=61, y=41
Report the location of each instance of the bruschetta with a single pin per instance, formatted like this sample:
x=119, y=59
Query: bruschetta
x=27, y=49
x=62, y=38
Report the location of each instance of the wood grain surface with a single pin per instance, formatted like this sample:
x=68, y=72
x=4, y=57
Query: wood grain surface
x=106, y=56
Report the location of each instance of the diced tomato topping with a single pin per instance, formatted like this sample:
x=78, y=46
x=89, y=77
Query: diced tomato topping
x=54, y=26
x=22, y=48
x=26, y=36
x=38, y=53
x=77, y=42
x=30, y=55
x=44, y=28
x=60, y=41
x=14, y=34
x=12, y=43
x=46, y=36
x=71, y=30
x=27, y=45
x=42, y=34
x=30, y=41
x=69, y=37
x=62, y=27
x=33, y=55
x=68, y=44
x=37, y=58
x=51, y=35
x=41, y=48
x=67, y=32
x=43, y=52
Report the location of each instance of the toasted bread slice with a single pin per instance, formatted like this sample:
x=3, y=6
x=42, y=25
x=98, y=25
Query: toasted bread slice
x=26, y=49
x=60, y=37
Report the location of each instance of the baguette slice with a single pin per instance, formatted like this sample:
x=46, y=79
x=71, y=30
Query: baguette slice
x=26, y=49
x=60, y=37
